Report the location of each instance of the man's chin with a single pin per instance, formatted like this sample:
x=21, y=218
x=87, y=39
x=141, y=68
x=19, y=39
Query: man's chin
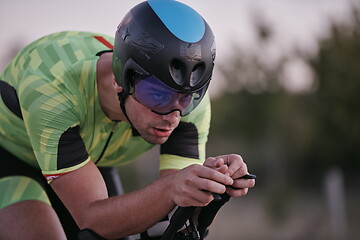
x=153, y=140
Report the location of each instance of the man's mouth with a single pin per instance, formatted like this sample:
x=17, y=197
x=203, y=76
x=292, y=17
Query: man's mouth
x=162, y=132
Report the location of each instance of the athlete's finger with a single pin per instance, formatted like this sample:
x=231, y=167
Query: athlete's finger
x=243, y=183
x=240, y=172
x=213, y=162
x=237, y=192
x=233, y=161
x=211, y=174
x=210, y=186
x=223, y=169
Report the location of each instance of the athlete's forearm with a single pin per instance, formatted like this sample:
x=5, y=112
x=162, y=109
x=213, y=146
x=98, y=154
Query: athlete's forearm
x=84, y=194
x=130, y=213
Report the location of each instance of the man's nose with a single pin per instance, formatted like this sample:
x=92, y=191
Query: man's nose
x=173, y=117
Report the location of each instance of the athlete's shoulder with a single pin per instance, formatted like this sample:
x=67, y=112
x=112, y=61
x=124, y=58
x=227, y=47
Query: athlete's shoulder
x=75, y=42
x=72, y=36
x=55, y=54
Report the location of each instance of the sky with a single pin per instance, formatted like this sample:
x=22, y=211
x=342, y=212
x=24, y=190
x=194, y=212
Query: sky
x=295, y=22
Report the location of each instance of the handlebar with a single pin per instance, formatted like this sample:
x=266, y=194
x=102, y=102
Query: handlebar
x=205, y=218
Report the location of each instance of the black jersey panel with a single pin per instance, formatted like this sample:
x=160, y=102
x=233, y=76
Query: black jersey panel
x=10, y=98
x=71, y=149
x=183, y=141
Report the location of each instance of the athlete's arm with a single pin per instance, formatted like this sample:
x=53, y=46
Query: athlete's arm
x=83, y=191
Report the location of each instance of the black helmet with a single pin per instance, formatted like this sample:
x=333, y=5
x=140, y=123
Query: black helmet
x=167, y=39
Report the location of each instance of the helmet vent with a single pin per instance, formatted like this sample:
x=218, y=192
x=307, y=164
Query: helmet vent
x=176, y=71
x=196, y=74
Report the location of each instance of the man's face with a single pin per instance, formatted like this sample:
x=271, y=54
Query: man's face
x=154, y=128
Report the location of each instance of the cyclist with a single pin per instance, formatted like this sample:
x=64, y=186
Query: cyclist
x=74, y=103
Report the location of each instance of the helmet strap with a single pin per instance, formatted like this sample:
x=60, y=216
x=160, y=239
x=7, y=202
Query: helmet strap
x=122, y=98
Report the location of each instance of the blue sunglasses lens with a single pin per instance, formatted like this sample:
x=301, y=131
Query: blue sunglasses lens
x=161, y=99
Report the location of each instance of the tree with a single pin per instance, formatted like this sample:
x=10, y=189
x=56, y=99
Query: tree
x=301, y=134
x=336, y=103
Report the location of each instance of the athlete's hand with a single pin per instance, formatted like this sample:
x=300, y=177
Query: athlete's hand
x=192, y=185
x=233, y=166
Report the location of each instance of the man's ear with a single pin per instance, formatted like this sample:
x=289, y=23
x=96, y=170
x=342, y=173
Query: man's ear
x=116, y=86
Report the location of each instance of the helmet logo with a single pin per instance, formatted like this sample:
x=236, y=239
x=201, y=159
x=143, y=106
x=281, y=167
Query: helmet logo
x=190, y=51
x=139, y=39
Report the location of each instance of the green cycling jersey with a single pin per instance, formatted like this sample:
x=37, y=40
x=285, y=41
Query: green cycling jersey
x=51, y=118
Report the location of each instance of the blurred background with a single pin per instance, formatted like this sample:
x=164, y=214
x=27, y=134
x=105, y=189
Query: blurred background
x=286, y=96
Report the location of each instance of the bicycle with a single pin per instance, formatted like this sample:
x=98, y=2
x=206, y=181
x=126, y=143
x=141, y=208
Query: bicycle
x=186, y=223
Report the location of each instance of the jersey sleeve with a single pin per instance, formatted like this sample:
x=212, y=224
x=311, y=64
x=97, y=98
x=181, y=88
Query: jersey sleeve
x=187, y=144
x=52, y=121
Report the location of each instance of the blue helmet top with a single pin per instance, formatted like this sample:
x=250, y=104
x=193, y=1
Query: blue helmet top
x=181, y=20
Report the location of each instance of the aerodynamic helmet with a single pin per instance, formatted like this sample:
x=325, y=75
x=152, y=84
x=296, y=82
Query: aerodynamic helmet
x=167, y=44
